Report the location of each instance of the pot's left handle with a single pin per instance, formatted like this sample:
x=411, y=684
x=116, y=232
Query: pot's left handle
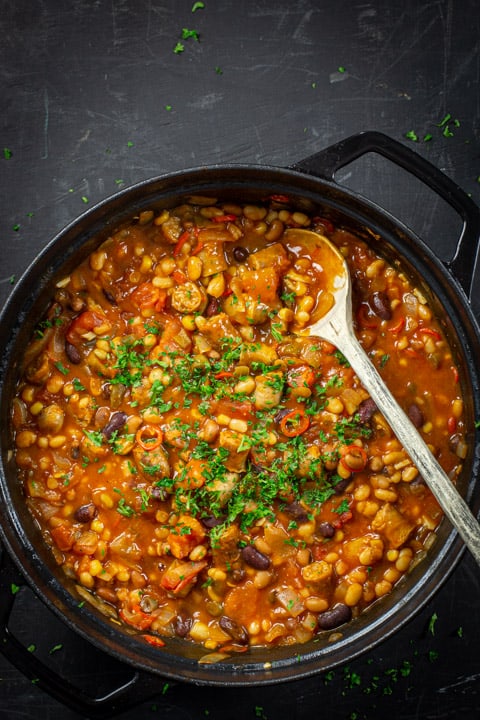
x=326, y=163
x=139, y=688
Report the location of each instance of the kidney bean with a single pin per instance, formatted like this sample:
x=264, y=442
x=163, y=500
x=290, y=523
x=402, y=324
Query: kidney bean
x=237, y=632
x=380, y=305
x=211, y=521
x=416, y=415
x=116, y=422
x=85, y=513
x=326, y=530
x=182, y=625
x=366, y=410
x=213, y=306
x=338, y=615
x=281, y=414
x=340, y=486
x=297, y=511
x=255, y=558
x=72, y=353
x=240, y=254
x=159, y=493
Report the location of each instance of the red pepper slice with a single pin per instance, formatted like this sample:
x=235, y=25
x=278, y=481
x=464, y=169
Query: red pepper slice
x=430, y=331
x=181, y=242
x=199, y=246
x=224, y=218
x=223, y=374
x=354, y=458
x=398, y=327
x=149, y=437
x=294, y=423
x=153, y=640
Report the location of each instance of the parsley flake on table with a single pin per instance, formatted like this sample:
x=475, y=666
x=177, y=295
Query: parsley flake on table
x=179, y=48
x=431, y=623
x=186, y=34
x=197, y=6
x=7, y=153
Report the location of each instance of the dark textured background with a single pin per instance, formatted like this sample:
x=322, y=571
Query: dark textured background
x=93, y=98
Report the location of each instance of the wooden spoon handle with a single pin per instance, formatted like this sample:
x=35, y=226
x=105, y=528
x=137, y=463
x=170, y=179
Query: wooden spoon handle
x=454, y=506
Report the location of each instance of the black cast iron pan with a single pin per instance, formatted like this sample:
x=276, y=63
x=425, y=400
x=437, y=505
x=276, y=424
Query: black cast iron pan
x=311, y=185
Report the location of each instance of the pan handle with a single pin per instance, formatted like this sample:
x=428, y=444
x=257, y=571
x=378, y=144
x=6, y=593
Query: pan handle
x=141, y=687
x=325, y=163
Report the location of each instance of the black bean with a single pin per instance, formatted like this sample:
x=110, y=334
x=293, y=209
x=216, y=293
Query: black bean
x=366, y=409
x=237, y=632
x=72, y=353
x=240, y=254
x=338, y=615
x=116, y=422
x=416, y=415
x=85, y=513
x=255, y=558
x=182, y=625
x=213, y=306
x=297, y=511
x=380, y=305
x=326, y=530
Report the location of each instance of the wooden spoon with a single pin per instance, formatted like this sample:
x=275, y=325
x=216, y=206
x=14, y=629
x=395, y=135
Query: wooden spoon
x=332, y=321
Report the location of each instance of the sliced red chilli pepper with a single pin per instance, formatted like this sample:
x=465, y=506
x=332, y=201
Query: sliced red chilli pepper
x=149, y=437
x=184, y=237
x=354, y=458
x=294, y=423
x=398, y=327
x=431, y=332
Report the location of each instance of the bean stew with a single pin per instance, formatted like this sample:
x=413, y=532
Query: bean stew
x=200, y=467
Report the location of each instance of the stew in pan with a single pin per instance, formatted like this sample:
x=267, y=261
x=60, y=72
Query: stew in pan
x=202, y=468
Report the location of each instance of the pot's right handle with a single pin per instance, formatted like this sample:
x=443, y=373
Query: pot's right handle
x=326, y=162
